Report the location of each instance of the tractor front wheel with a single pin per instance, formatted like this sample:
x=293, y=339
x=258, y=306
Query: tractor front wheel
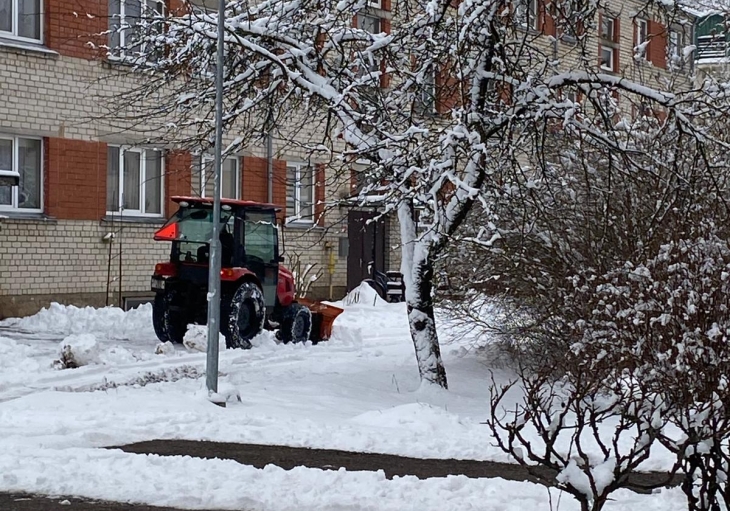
x=169, y=323
x=296, y=324
x=242, y=318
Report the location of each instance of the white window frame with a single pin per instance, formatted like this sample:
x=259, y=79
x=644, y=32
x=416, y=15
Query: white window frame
x=142, y=180
x=15, y=173
x=605, y=18
x=428, y=92
x=121, y=20
x=375, y=3
x=209, y=161
x=13, y=34
x=528, y=17
x=296, y=217
x=675, y=43
x=612, y=59
x=641, y=25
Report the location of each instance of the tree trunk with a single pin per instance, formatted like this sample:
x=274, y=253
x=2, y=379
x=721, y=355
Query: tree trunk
x=417, y=269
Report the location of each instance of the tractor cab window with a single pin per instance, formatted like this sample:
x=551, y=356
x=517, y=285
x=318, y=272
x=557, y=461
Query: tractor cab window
x=194, y=230
x=260, y=236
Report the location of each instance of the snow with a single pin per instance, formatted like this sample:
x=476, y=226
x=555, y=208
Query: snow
x=359, y=391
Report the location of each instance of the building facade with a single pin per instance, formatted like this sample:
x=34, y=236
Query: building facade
x=77, y=226
x=80, y=199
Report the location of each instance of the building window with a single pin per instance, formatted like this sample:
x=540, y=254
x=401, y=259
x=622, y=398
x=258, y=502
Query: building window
x=230, y=177
x=134, y=181
x=373, y=25
x=22, y=19
x=124, y=15
x=642, y=31
x=607, y=58
x=526, y=14
x=427, y=97
x=299, y=193
x=21, y=161
x=608, y=28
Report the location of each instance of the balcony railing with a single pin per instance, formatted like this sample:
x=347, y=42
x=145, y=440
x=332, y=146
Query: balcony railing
x=711, y=48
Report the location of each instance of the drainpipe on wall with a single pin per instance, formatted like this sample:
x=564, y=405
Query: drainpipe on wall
x=270, y=158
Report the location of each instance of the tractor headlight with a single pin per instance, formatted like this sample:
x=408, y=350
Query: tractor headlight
x=157, y=284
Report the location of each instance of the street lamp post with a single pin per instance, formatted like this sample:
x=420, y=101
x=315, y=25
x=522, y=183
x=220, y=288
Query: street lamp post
x=214, y=272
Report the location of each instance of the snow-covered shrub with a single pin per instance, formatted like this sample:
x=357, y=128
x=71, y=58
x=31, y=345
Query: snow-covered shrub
x=617, y=266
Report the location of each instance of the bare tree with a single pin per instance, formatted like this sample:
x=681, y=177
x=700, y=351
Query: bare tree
x=441, y=108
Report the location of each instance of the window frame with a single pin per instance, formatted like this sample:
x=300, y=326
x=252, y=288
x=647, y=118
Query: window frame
x=377, y=4
x=142, y=181
x=531, y=18
x=612, y=58
x=13, y=34
x=641, y=23
x=14, y=190
x=610, y=37
x=209, y=159
x=296, y=217
x=121, y=21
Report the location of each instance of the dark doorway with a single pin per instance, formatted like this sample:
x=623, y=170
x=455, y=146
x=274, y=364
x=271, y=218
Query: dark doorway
x=367, y=243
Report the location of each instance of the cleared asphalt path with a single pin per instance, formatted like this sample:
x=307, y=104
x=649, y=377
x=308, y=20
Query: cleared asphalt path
x=289, y=457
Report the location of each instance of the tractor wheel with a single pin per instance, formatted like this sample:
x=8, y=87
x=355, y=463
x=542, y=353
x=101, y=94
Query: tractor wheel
x=296, y=324
x=244, y=314
x=169, y=324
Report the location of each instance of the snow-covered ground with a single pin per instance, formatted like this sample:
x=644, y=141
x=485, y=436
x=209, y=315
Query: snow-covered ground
x=358, y=391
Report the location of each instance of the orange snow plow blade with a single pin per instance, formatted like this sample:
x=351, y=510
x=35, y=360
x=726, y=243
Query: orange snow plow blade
x=323, y=317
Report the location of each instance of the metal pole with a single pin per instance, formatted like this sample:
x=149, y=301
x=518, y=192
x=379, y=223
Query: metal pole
x=270, y=156
x=214, y=272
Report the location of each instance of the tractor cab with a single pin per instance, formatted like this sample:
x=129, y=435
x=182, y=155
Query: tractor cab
x=249, y=243
x=256, y=290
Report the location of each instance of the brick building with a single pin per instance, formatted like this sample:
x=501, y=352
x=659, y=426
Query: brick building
x=78, y=226
x=80, y=199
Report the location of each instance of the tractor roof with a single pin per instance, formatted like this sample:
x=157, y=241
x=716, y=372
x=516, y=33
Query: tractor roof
x=228, y=202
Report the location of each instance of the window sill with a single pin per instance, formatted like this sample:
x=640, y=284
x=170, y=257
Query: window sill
x=30, y=217
x=151, y=220
x=26, y=47
x=303, y=226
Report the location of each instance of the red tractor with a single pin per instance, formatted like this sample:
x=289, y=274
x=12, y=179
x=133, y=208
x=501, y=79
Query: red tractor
x=257, y=292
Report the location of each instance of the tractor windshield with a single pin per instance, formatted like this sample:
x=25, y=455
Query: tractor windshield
x=191, y=229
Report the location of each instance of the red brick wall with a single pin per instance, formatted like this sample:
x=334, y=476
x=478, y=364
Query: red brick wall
x=319, y=187
x=69, y=33
x=279, y=194
x=656, y=51
x=255, y=181
x=75, y=179
x=178, y=176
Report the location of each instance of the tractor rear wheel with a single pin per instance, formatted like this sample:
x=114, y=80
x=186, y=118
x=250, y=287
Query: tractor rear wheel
x=242, y=318
x=169, y=323
x=296, y=324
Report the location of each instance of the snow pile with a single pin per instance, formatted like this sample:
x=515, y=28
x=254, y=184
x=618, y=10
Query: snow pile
x=16, y=358
x=196, y=339
x=107, y=322
x=78, y=350
x=362, y=295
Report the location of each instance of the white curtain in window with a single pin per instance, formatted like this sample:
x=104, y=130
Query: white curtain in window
x=29, y=163
x=6, y=154
x=29, y=18
x=132, y=183
x=6, y=15
x=153, y=182
x=229, y=179
x=112, y=179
